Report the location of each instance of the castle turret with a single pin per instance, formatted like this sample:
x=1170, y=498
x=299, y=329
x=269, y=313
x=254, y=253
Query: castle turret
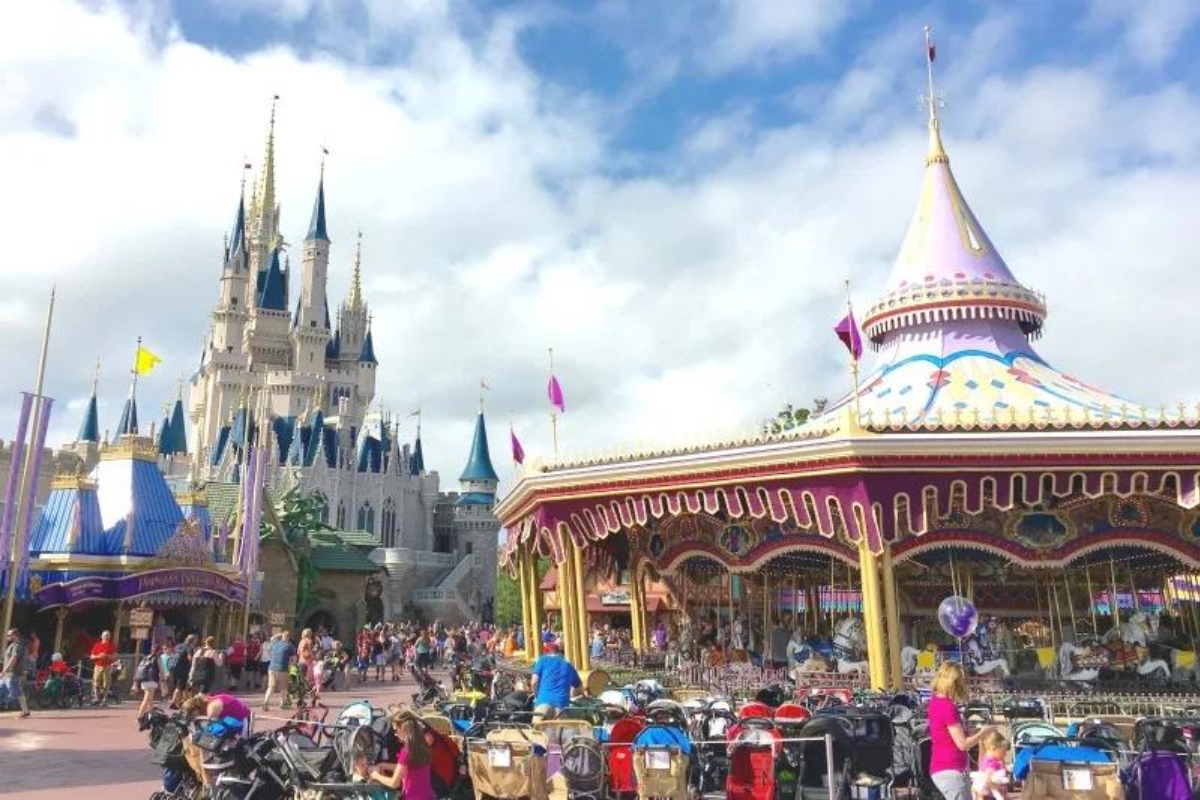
x=89, y=429
x=263, y=233
x=311, y=333
x=474, y=521
x=128, y=426
x=479, y=478
x=229, y=317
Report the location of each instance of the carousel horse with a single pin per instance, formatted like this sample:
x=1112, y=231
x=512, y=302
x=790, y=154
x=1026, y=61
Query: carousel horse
x=1142, y=631
x=1081, y=663
x=981, y=661
x=849, y=642
x=909, y=656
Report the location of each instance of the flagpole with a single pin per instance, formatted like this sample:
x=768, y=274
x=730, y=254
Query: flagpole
x=553, y=411
x=853, y=358
x=929, y=58
x=18, y=538
x=136, y=355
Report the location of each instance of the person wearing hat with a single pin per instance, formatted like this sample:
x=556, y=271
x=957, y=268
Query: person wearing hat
x=12, y=671
x=553, y=680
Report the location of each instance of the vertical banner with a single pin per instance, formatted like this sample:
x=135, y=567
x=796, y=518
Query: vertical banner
x=14, y=481
x=38, y=444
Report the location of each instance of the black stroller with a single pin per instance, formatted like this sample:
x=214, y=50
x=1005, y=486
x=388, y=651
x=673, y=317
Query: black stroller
x=815, y=774
x=869, y=768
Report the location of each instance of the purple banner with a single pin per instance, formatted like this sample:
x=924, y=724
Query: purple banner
x=14, y=481
x=127, y=587
x=42, y=415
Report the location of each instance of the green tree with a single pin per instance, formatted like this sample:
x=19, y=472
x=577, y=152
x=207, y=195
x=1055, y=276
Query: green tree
x=790, y=417
x=297, y=516
x=507, y=610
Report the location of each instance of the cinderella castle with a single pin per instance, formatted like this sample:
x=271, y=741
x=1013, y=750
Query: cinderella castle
x=277, y=364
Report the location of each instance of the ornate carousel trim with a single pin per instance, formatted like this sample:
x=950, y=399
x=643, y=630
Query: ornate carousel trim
x=1061, y=557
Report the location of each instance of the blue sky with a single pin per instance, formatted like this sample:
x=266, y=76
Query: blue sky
x=669, y=194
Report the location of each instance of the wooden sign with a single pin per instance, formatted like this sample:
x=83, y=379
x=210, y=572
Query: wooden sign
x=139, y=632
x=278, y=619
x=141, y=618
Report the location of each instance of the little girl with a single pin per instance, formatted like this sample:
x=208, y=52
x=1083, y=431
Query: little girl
x=990, y=781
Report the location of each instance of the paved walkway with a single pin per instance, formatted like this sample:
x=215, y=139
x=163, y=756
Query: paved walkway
x=101, y=752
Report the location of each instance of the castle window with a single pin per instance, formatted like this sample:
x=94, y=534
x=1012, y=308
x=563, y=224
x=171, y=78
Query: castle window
x=388, y=533
x=470, y=548
x=323, y=505
x=341, y=516
x=366, y=517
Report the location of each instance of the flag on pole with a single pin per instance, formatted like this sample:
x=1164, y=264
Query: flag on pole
x=847, y=331
x=145, y=361
x=930, y=47
x=555, y=393
x=518, y=452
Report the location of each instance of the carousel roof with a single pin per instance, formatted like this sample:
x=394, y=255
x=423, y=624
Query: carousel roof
x=954, y=328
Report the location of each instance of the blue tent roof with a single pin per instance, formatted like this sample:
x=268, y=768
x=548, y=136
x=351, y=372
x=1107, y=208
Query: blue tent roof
x=316, y=228
x=479, y=465
x=367, y=356
x=148, y=516
x=237, y=240
x=89, y=431
x=74, y=510
x=129, y=422
x=274, y=290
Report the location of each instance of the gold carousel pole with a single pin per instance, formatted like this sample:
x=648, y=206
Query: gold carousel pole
x=1112, y=575
x=566, y=602
x=523, y=584
x=536, y=612
x=635, y=606
x=877, y=658
x=891, y=606
x=585, y=658
x=1070, y=605
x=1087, y=571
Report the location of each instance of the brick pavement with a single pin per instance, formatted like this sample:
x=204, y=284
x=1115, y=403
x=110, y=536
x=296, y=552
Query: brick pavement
x=101, y=752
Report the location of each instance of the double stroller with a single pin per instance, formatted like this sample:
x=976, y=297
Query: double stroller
x=859, y=760
x=662, y=752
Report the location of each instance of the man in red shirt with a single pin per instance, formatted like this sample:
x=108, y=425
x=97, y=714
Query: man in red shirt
x=104, y=653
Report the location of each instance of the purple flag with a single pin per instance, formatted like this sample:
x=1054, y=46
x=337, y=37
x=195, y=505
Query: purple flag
x=14, y=481
x=249, y=525
x=37, y=443
x=555, y=392
x=847, y=331
x=518, y=452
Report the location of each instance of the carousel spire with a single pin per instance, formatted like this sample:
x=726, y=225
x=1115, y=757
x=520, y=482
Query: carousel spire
x=948, y=269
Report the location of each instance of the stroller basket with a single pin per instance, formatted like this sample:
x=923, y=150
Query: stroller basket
x=1076, y=781
x=661, y=771
x=583, y=768
x=508, y=764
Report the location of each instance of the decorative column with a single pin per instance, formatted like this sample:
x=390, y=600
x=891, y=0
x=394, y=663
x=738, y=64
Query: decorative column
x=635, y=608
x=536, y=612
x=566, y=602
x=577, y=571
x=877, y=657
x=526, y=599
x=895, y=638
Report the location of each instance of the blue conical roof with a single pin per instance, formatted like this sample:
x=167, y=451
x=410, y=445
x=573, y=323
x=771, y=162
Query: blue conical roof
x=417, y=462
x=367, y=356
x=334, y=346
x=164, y=437
x=89, y=431
x=178, y=441
x=479, y=465
x=237, y=240
x=316, y=228
x=274, y=290
x=129, y=422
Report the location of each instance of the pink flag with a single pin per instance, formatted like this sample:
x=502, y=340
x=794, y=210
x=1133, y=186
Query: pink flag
x=555, y=393
x=518, y=452
x=847, y=331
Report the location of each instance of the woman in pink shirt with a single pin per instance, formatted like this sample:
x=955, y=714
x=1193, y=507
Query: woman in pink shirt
x=412, y=774
x=948, y=761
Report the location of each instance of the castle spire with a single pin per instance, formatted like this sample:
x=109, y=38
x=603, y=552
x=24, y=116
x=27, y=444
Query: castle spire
x=89, y=431
x=479, y=463
x=316, y=228
x=264, y=194
x=355, y=301
x=948, y=269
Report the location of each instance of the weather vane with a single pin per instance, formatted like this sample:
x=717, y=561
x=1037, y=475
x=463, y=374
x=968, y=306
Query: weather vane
x=933, y=99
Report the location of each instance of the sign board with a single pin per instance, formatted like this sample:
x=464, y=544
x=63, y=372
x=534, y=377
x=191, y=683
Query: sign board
x=141, y=617
x=278, y=619
x=619, y=597
x=139, y=632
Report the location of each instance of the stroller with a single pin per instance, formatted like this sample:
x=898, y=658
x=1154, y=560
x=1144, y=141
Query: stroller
x=754, y=747
x=621, y=779
x=662, y=753
x=430, y=691
x=300, y=692
x=1065, y=770
x=869, y=767
x=558, y=732
x=167, y=737
x=1160, y=770
x=508, y=763
x=789, y=720
x=815, y=774
x=583, y=768
x=709, y=731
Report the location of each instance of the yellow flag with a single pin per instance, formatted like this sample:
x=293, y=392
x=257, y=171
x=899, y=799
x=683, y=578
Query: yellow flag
x=145, y=361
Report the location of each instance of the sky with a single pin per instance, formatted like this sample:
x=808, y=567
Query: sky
x=669, y=194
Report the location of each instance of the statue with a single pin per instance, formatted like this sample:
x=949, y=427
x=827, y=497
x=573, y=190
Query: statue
x=373, y=600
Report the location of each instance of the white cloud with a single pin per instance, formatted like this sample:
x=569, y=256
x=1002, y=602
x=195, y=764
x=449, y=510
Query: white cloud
x=695, y=299
x=1151, y=31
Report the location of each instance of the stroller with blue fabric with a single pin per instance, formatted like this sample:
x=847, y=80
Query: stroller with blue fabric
x=662, y=753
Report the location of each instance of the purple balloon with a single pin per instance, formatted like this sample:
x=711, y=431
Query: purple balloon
x=957, y=616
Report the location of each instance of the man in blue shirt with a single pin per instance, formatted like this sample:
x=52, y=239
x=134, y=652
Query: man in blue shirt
x=554, y=680
x=283, y=653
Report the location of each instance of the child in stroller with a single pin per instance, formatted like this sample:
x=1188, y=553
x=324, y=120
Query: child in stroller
x=300, y=691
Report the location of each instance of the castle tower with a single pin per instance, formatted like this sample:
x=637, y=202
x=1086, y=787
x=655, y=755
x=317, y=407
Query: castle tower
x=310, y=332
x=474, y=521
x=263, y=233
x=229, y=317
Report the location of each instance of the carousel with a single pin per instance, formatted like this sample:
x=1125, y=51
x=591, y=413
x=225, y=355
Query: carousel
x=966, y=500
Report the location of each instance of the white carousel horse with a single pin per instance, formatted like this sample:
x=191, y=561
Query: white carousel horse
x=909, y=656
x=1141, y=630
x=849, y=641
x=1068, y=655
x=982, y=663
